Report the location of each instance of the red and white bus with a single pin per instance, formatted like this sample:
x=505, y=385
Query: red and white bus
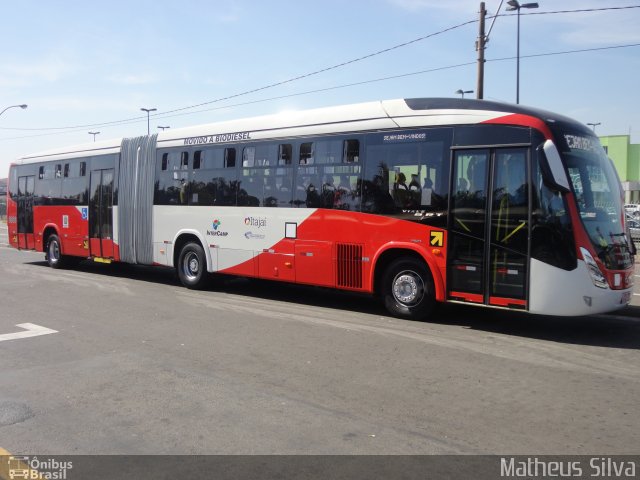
x=417, y=201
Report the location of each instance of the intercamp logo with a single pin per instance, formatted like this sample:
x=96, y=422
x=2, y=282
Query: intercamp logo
x=215, y=232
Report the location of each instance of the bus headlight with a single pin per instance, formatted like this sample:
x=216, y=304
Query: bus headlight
x=597, y=277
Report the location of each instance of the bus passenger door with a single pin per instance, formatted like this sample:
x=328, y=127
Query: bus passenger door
x=101, y=213
x=25, y=212
x=489, y=224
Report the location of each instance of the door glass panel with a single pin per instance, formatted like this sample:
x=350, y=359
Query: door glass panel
x=106, y=206
x=25, y=204
x=468, y=219
x=94, y=204
x=509, y=233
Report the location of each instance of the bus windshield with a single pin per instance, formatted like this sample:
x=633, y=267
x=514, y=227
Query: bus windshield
x=598, y=198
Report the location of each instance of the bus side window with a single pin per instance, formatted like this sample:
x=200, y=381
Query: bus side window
x=306, y=153
x=351, y=151
x=284, y=154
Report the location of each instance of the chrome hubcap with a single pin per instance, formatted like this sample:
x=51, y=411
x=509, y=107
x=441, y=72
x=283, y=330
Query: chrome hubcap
x=54, y=251
x=191, y=266
x=408, y=288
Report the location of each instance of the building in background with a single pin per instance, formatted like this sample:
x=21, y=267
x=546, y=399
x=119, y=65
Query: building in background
x=626, y=158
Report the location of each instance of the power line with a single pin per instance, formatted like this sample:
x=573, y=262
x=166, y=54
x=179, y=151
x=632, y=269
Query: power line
x=265, y=87
x=354, y=84
x=580, y=10
x=323, y=70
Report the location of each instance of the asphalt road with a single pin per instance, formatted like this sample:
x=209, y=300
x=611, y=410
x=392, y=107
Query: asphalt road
x=140, y=365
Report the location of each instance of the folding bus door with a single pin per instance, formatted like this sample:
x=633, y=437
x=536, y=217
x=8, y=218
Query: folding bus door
x=25, y=212
x=101, y=213
x=488, y=257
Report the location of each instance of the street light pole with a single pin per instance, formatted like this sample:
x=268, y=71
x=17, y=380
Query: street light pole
x=163, y=128
x=515, y=5
x=594, y=125
x=23, y=106
x=94, y=135
x=462, y=92
x=148, y=110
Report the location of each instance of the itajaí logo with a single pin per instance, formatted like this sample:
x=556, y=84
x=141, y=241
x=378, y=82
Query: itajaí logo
x=215, y=232
x=257, y=222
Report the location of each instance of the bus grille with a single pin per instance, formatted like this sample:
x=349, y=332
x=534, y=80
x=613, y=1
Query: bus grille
x=349, y=265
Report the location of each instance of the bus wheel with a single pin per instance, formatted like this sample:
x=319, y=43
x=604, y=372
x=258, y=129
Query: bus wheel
x=192, y=266
x=408, y=289
x=53, y=253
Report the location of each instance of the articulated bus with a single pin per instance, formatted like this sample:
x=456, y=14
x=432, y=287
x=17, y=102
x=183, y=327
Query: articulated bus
x=416, y=201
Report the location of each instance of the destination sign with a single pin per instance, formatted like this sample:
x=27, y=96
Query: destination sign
x=576, y=142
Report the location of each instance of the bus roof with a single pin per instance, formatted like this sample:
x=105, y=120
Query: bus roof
x=378, y=115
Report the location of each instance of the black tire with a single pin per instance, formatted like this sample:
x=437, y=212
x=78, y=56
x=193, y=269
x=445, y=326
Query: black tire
x=408, y=290
x=53, y=252
x=192, y=266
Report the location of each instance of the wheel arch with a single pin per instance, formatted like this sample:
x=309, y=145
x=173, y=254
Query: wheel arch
x=392, y=252
x=51, y=229
x=186, y=236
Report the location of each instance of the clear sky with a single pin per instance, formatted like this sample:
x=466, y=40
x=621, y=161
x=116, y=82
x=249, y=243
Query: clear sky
x=82, y=64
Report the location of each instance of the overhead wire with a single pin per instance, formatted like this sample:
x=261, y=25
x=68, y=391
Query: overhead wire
x=167, y=114
x=354, y=84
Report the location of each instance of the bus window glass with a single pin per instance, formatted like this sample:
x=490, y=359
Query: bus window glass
x=259, y=155
x=284, y=154
x=469, y=192
x=266, y=187
x=213, y=158
x=552, y=239
x=328, y=180
x=598, y=198
x=306, y=153
x=74, y=188
x=172, y=179
x=229, y=157
x=510, y=204
x=406, y=172
x=213, y=183
x=351, y=151
x=248, y=156
x=328, y=151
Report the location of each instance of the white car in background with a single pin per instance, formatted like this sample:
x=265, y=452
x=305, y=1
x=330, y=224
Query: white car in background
x=632, y=209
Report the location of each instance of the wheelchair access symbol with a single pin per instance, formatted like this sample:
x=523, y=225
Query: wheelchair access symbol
x=85, y=213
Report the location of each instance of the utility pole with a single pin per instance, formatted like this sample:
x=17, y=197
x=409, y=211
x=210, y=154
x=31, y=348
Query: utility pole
x=480, y=44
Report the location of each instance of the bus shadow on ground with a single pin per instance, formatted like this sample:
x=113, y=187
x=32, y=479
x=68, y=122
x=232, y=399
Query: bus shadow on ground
x=616, y=330
x=619, y=329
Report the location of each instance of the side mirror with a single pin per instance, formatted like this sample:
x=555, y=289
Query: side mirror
x=552, y=169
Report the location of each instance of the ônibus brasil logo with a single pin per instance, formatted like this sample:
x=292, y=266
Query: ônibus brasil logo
x=28, y=468
x=215, y=232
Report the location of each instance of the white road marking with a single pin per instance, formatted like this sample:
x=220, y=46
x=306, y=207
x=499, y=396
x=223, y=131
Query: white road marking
x=31, y=330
